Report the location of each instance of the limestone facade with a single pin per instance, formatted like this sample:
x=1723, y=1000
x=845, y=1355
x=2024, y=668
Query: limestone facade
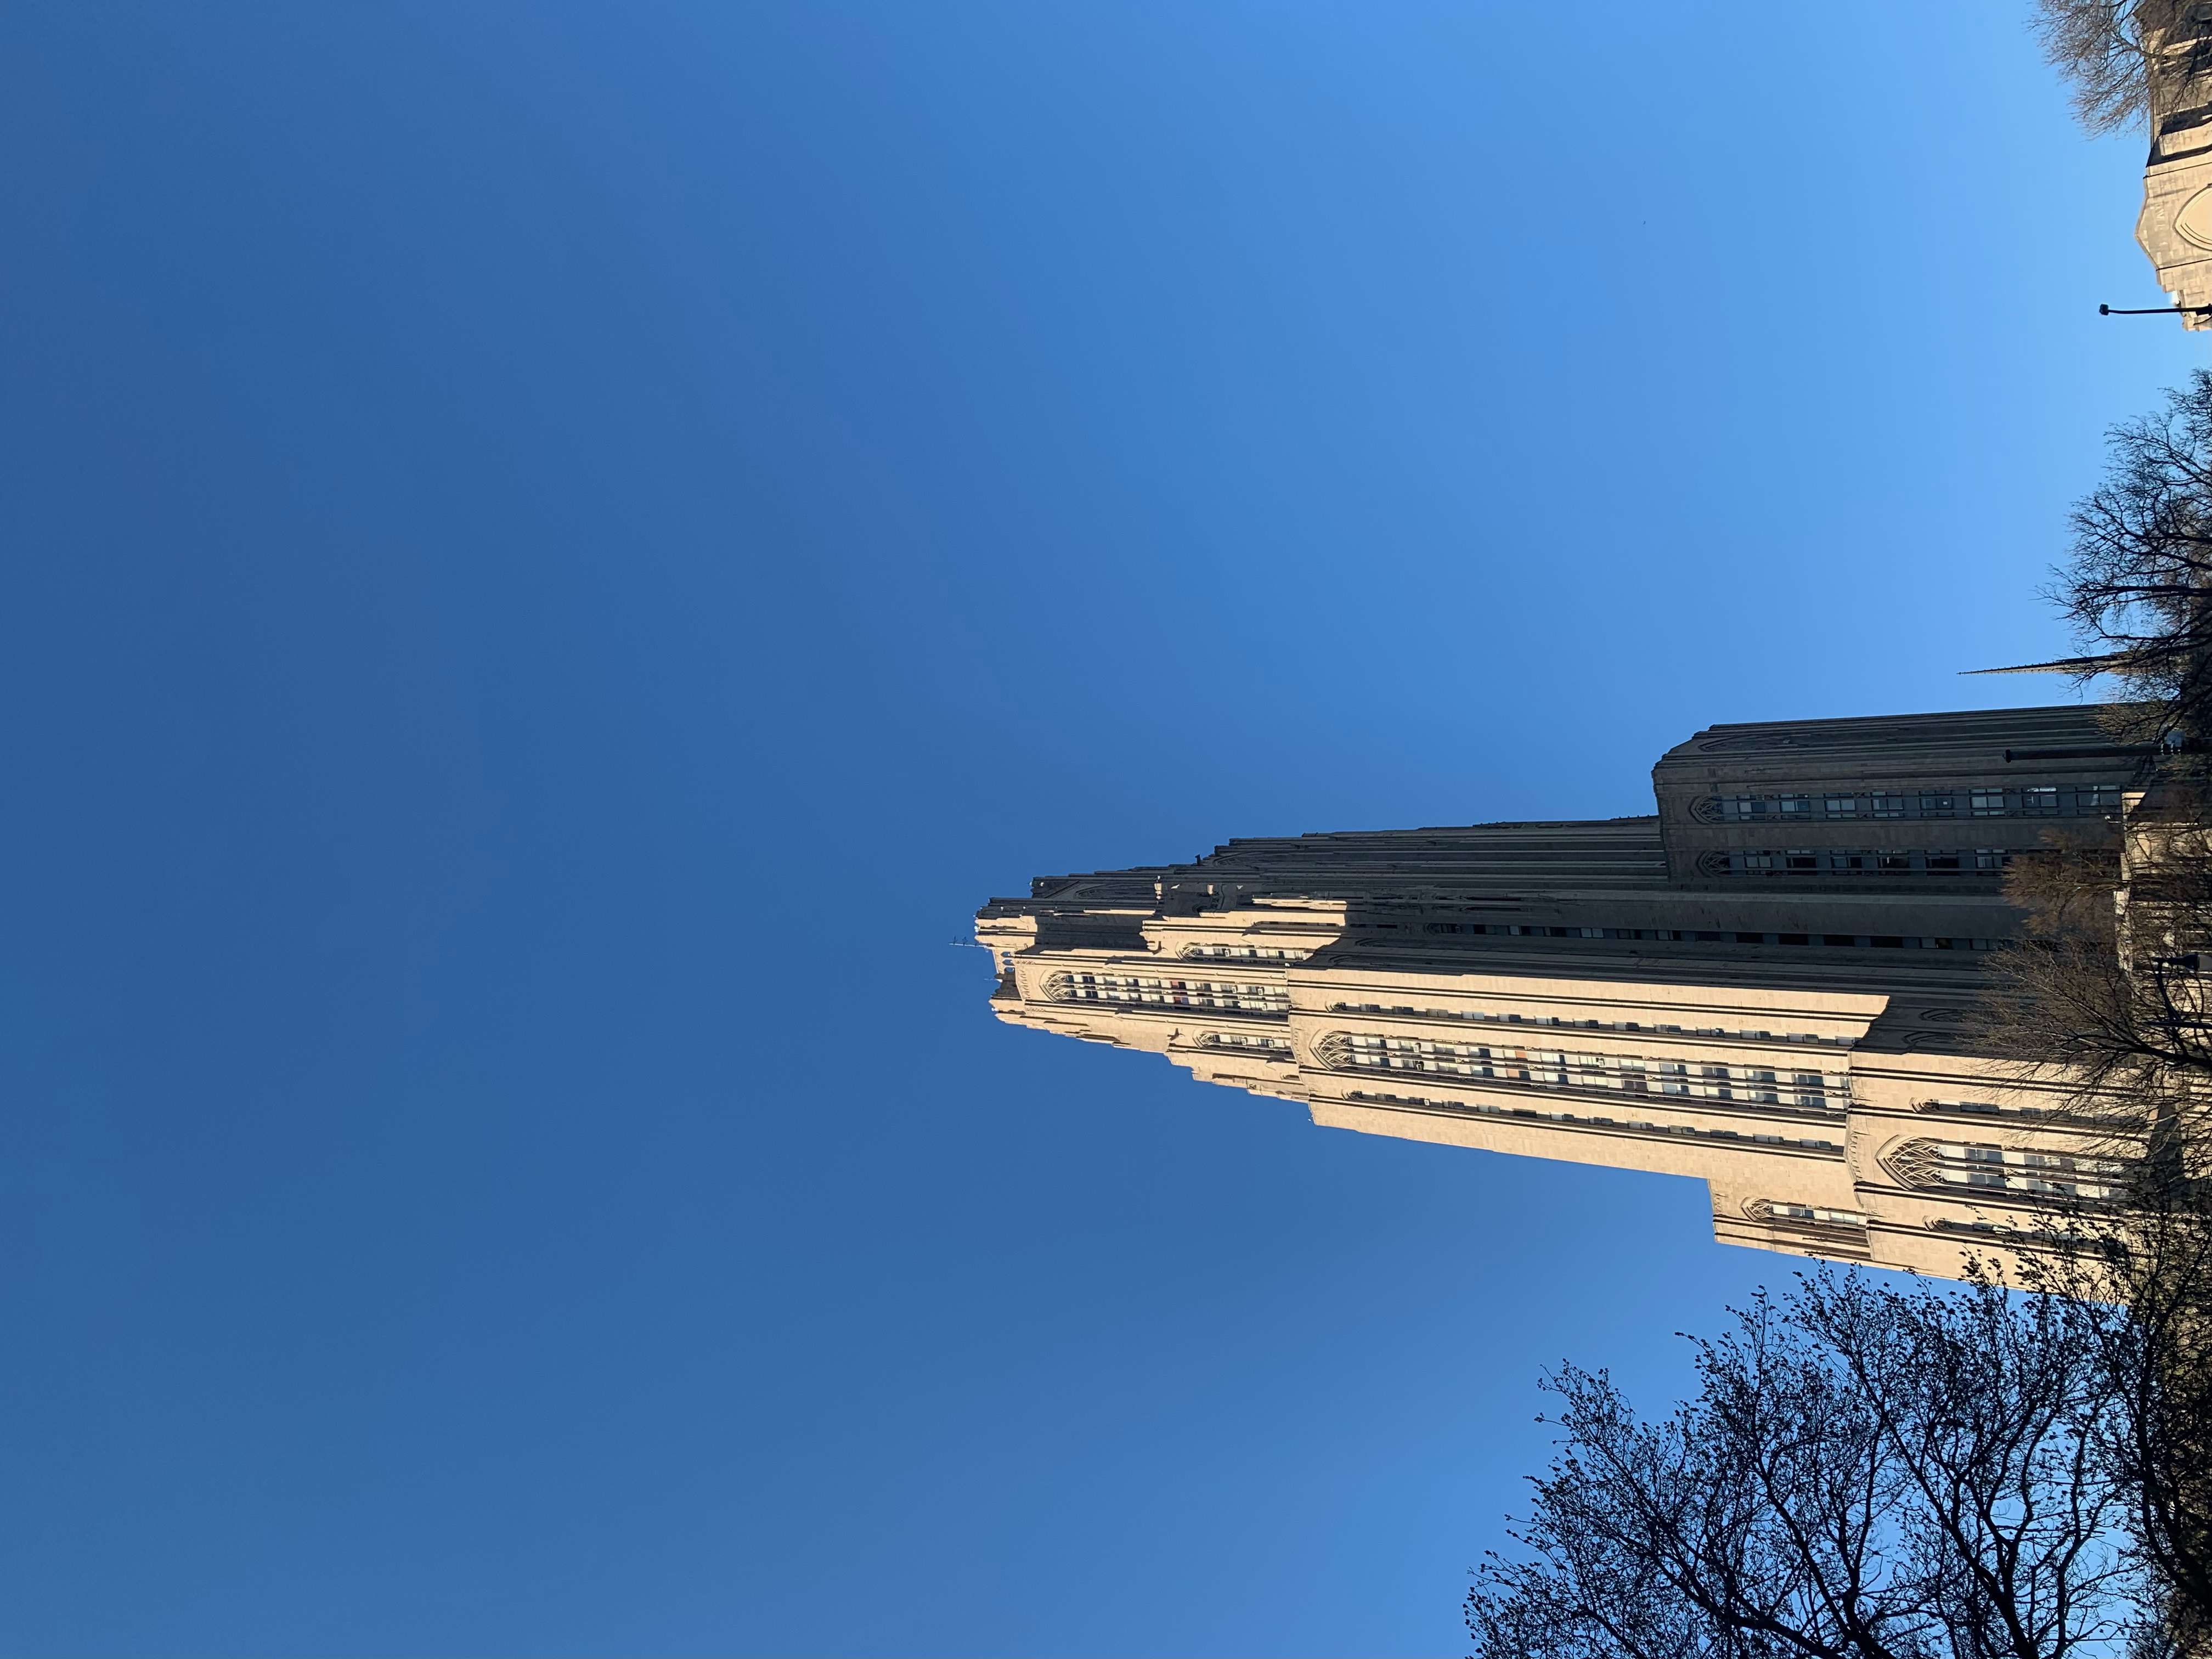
x=1762, y=985
x=2175, y=226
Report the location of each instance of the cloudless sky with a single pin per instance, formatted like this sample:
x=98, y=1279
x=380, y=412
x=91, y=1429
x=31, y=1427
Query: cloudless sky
x=554, y=553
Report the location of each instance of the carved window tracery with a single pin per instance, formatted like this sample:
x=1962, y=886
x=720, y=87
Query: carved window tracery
x=1929, y=1164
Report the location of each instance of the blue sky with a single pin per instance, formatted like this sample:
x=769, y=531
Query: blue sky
x=554, y=553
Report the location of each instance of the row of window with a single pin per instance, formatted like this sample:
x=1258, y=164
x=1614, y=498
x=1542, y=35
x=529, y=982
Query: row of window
x=1580, y=1024
x=1934, y=1164
x=1245, y=952
x=1684, y=1129
x=1160, y=991
x=1550, y=1068
x=1274, y=1047
x=1719, y=936
x=1990, y=1109
x=1774, y=1210
x=1856, y=861
x=2046, y=801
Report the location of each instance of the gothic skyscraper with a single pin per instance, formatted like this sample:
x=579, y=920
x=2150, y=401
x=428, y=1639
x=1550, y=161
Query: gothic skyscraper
x=1762, y=985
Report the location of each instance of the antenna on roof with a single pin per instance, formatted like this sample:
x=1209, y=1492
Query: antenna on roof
x=2062, y=665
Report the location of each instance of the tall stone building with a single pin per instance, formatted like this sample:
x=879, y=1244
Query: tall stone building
x=2175, y=226
x=1761, y=985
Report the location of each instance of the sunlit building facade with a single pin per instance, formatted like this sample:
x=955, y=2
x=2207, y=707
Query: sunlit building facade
x=2175, y=226
x=1762, y=985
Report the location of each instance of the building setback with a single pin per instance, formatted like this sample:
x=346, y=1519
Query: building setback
x=1762, y=985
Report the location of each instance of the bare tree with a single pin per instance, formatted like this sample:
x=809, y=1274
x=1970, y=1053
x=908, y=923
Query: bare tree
x=2094, y=44
x=2103, y=1000
x=2107, y=992
x=1865, y=1473
x=2139, y=583
x=2141, y=1277
x=2130, y=63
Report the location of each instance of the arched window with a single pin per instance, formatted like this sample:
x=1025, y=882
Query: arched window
x=1984, y=1166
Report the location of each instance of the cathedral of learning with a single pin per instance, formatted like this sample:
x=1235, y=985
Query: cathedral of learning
x=1765, y=984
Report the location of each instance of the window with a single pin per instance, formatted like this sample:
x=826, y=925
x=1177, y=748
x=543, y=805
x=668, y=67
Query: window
x=1989, y=802
x=1812, y=860
x=1779, y=1211
x=1932, y=1165
x=1167, y=992
x=1549, y=1068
